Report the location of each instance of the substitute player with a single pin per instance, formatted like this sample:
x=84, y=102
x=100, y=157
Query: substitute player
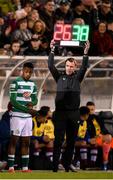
x=23, y=96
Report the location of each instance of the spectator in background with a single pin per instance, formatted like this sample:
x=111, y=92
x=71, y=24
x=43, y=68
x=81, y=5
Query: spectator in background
x=59, y=20
x=31, y=19
x=15, y=49
x=102, y=44
x=12, y=21
x=17, y=5
x=30, y=24
x=23, y=13
x=47, y=15
x=5, y=32
x=45, y=45
x=105, y=12
x=39, y=28
x=64, y=11
x=78, y=21
x=78, y=9
x=37, y=4
x=35, y=47
x=110, y=28
x=33, y=15
x=22, y=33
x=88, y=11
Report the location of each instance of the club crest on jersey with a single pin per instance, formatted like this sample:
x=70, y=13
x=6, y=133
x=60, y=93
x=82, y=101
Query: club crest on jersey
x=27, y=95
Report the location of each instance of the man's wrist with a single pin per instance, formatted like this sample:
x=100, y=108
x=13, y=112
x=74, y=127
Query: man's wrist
x=85, y=54
x=52, y=49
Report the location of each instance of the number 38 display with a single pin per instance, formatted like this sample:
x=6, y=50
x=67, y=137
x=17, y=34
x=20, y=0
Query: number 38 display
x=71, y=35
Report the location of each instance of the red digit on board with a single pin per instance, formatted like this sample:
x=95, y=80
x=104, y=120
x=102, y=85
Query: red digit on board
x=58, y=32
x=67, y=32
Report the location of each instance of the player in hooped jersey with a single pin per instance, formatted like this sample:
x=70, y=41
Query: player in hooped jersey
x=23, y=96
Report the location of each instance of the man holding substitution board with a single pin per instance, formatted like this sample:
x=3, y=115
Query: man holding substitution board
x=67, y=103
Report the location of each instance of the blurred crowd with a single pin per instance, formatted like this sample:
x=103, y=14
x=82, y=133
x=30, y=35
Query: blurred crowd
x=27, y=26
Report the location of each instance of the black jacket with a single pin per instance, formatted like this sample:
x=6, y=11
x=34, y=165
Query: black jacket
x=91, y=128
x=34, y=52
x=68, y=86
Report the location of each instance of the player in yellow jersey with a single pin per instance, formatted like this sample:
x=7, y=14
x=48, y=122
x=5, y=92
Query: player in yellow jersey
x=38, y=139
x=99, y=135
x=49, y=132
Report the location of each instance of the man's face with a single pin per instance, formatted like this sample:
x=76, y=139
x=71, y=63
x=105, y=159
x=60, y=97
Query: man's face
x=92, y=109
x=27, y=72
x=70, y=67
x=106, y=8
x=102, y=28
x=42, y=119
x=49, y=115
x=35, y=44
x=1, y=21
x=64, y=8
x=50, y=6
x=84, y=117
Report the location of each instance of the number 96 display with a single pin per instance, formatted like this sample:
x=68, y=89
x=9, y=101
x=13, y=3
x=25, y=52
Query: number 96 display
x=71, y=35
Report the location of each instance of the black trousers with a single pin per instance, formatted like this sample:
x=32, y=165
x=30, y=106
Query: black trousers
x=65, y=122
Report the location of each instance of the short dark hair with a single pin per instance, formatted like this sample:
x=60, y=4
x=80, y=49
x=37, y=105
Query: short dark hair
x=20, y=21
x=71, y=60
x=48, y=1
x=84, y=110
x=44, y=111
x=90, y=103
x=29, y=65
x=15, y=41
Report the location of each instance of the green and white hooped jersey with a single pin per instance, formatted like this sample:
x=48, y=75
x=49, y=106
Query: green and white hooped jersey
x=24, y=90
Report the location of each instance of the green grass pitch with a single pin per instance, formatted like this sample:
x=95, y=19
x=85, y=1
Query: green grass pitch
x=58, y=175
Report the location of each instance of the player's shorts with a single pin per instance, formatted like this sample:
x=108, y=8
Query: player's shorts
x=99, y=140
x=40, y=139
x=21, y=126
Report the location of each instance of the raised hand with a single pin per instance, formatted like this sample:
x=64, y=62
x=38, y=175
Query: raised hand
x=52, y=45
x=87, y=46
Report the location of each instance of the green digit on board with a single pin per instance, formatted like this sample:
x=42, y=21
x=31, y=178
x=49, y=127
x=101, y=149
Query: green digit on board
x=76, y=33
x=84, y=33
